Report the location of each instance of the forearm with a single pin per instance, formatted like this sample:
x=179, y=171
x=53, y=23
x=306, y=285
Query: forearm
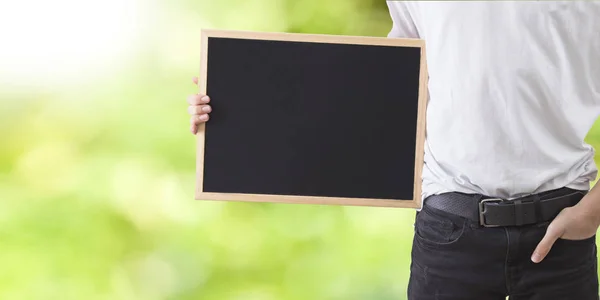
x=590, y=204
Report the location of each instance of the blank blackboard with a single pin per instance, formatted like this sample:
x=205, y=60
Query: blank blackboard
x=312, y=119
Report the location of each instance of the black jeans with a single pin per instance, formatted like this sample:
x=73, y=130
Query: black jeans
x=454, y=258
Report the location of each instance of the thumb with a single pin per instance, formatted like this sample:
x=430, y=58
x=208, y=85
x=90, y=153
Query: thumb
x=543, y=248
x=195, y=80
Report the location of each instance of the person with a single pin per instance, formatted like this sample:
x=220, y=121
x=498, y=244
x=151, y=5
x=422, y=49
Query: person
x=514, y=88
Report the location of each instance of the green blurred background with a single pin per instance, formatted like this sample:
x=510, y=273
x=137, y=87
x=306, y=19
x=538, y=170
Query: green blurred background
x=97, y=164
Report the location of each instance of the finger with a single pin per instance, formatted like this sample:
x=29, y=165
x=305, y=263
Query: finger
x=198, y=99
x=199, y=119
x=199, y=109
x=195, y=80
x=194, y=128
x=543, y=248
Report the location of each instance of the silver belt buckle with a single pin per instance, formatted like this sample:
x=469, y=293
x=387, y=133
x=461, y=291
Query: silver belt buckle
x=482, y=211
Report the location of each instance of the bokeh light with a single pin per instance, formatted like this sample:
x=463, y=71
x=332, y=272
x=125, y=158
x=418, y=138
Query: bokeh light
x=97, y=164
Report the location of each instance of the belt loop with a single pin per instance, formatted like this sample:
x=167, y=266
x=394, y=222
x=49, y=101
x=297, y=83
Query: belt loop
x=538, y=208
x=477, y=199
x=518, y=212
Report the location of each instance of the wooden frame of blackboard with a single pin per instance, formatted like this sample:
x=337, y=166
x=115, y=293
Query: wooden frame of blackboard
x=316, y=38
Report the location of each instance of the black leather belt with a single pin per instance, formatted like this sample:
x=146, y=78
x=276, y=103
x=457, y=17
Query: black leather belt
x=496, y=212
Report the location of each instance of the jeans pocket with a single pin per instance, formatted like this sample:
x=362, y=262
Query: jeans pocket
x=437, y=230
x=589, y=240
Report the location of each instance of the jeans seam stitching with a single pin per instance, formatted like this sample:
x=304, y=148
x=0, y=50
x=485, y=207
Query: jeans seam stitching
x=506, y=267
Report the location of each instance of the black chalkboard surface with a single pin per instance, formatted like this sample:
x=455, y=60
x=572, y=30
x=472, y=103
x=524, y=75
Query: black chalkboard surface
x=312, y=119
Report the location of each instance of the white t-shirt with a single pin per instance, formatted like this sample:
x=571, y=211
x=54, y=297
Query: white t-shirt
x=514, y=89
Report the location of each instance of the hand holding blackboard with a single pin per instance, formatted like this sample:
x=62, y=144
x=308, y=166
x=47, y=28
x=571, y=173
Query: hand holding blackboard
x=290, y=122
x=198, y=108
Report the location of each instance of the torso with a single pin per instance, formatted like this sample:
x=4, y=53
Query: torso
x=514, y=89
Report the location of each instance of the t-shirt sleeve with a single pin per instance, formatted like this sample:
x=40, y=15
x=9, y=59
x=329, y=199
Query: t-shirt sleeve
x=403, y=23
